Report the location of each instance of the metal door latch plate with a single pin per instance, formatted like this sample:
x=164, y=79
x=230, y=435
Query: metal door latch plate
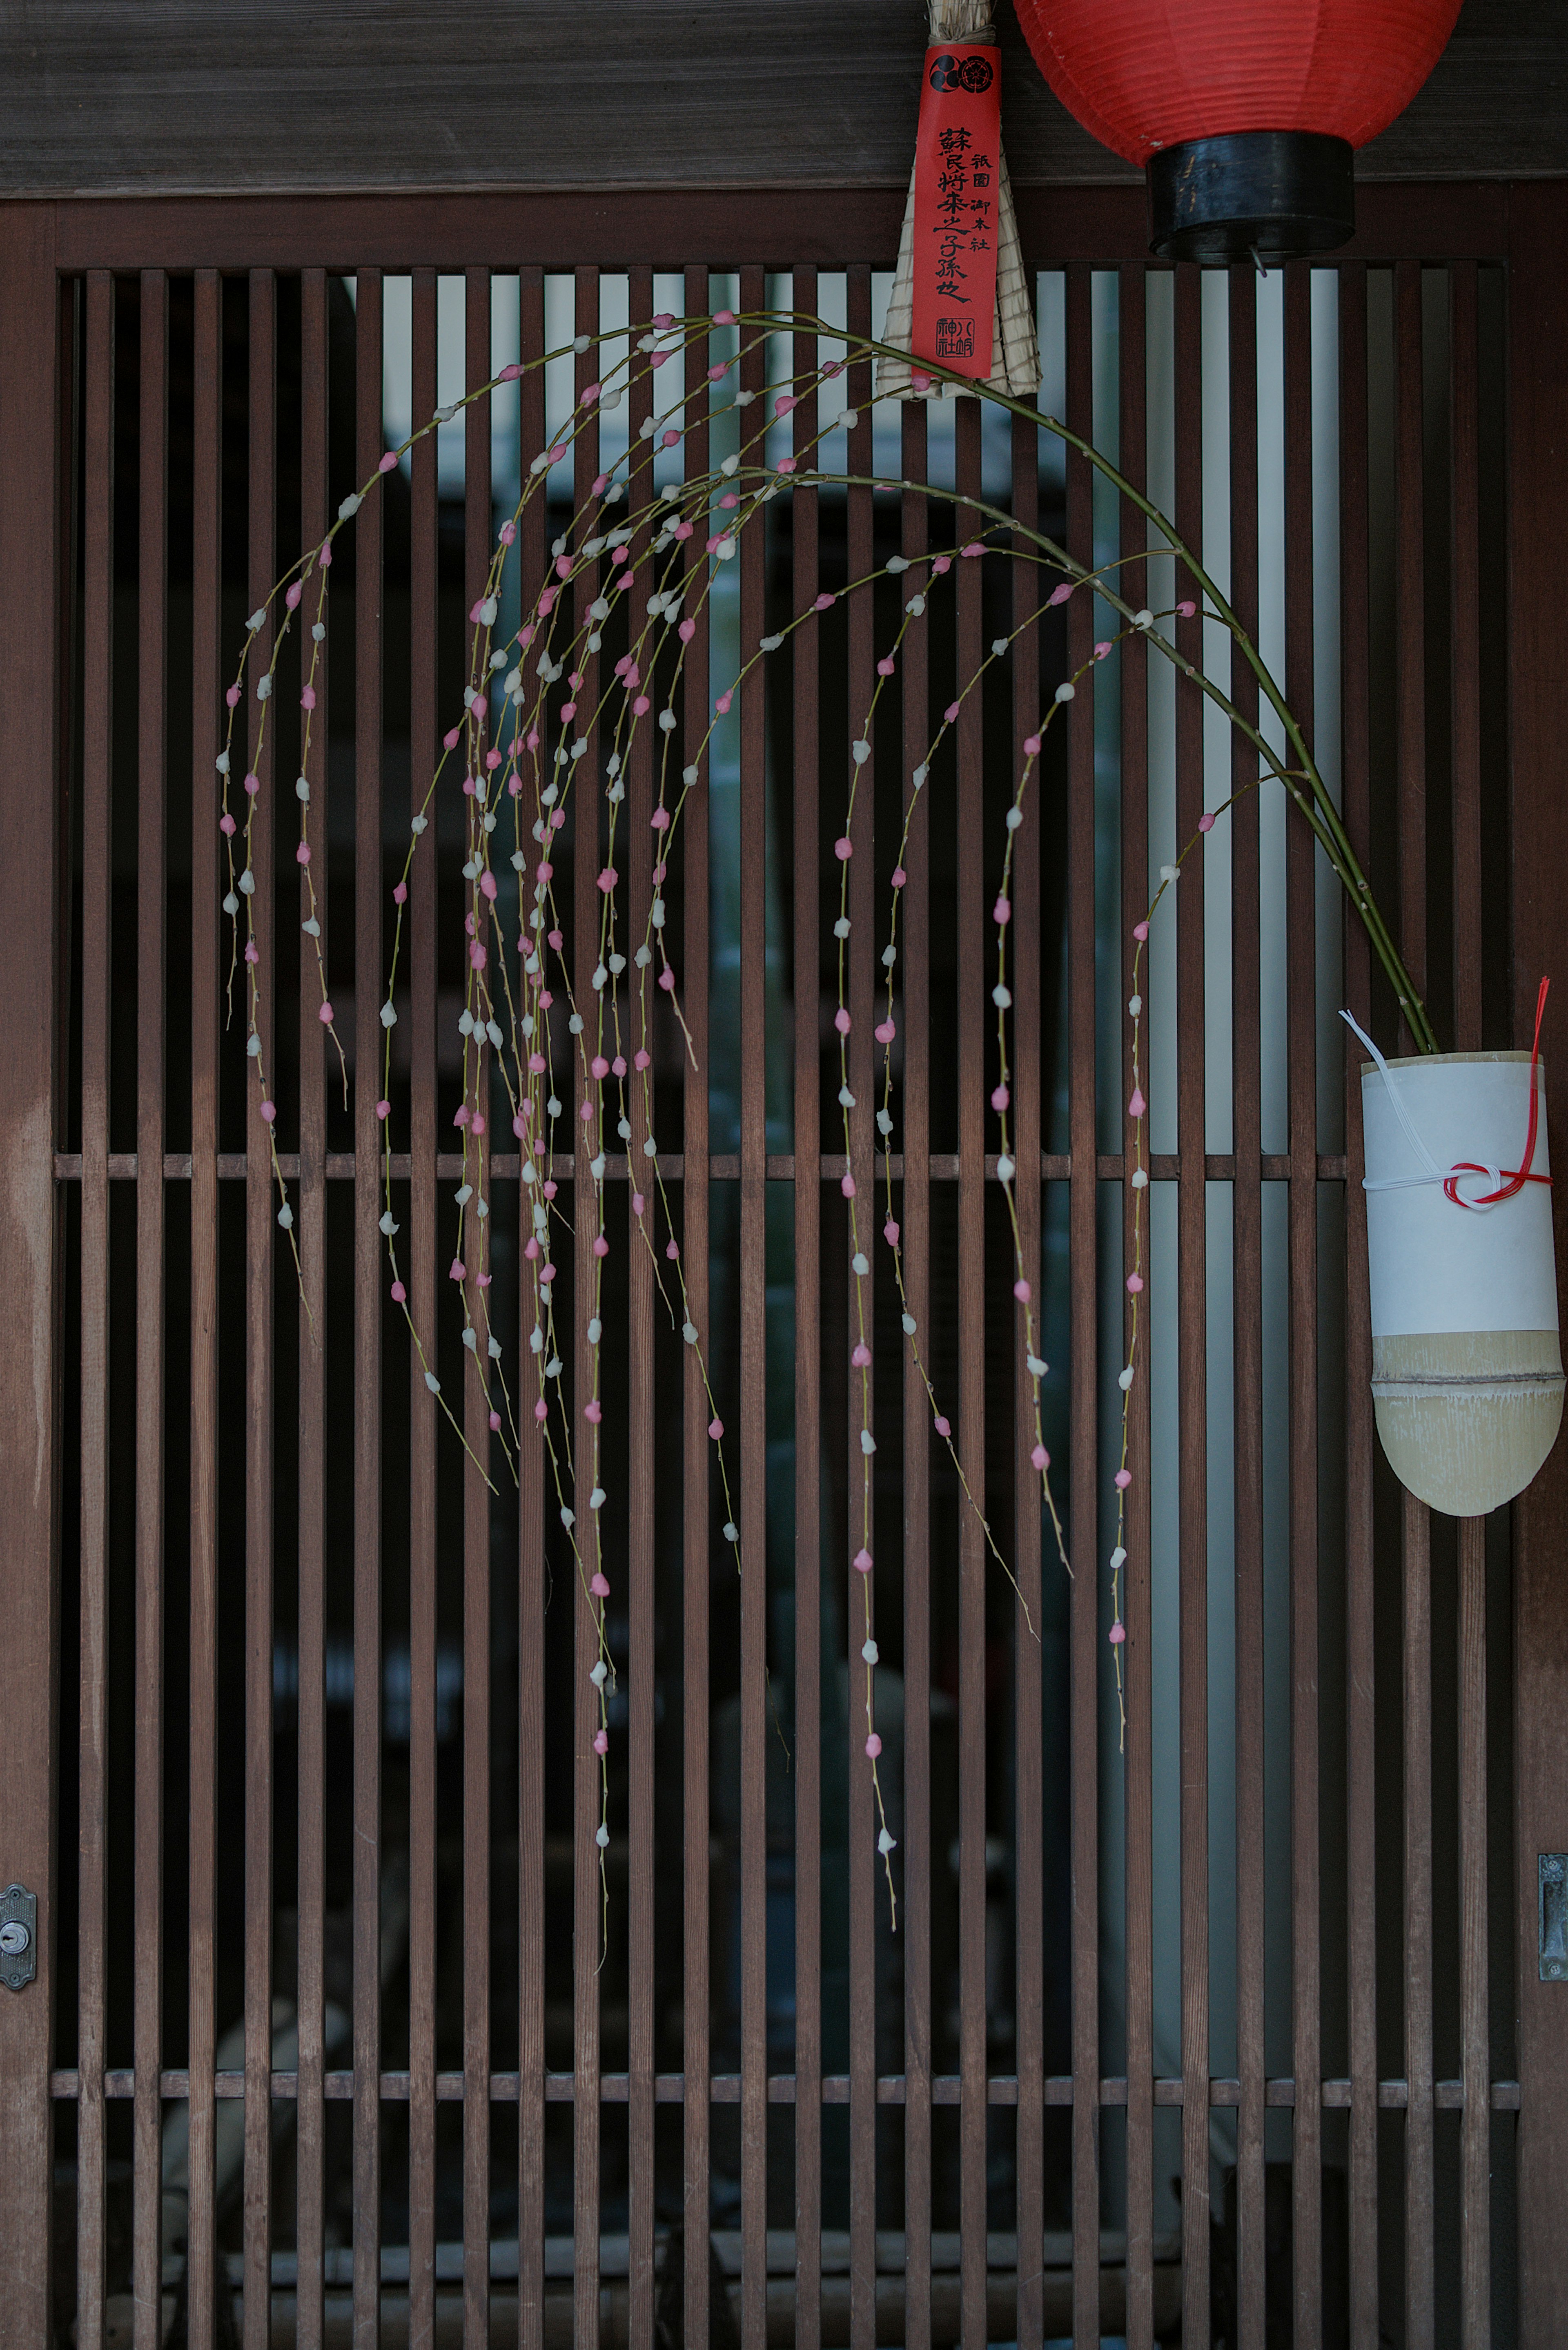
x=1551, y=1887
x=18, y=1937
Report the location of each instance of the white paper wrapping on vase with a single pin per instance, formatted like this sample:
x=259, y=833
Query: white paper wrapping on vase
x=1467, y=1372
x=1436, y=1267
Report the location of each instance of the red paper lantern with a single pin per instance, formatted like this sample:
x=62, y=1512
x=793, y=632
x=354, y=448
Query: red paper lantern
x=1244, y=113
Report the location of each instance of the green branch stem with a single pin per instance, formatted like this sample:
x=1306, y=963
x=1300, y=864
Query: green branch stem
x=1322, y=812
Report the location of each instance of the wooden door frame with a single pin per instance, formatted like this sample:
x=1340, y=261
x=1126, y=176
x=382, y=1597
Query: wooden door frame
x=1538, y=529
x=30, y=829
x=1527, y=222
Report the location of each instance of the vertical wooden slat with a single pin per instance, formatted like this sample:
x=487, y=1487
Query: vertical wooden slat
x=1138, y=1765
x=1538, y=520
x=861, y=1823
x=1083, y=1635
x=805, y=657
x=475, y=1490
x=207, y=574
x=31, y=516
x=753, y=1385
x=916, y=966
x=586, y=1809
x=1475, y=2129
x=1029, y=2001
x=1419, y=2307
x=422, y=1280
x=1360, y=1744
x=696, y=2034
x=98, y=587
x=367, y=996
x=1302, y=986
x=310, y=2116
x=1192, y=1352
x=1410, y=690
x=531, y=1569
x=147, y=2286
x=969, y=958
x=261, y=1208
x=1409, y=593
x=640, y=853
x=1464, y=432
x=64, y=452
x=1247, y=1242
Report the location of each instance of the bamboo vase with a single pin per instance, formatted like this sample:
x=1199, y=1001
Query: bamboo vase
x=1467, y=1372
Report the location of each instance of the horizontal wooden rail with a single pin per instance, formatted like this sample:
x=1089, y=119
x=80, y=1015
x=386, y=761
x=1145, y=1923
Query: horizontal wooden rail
x=943, y=1166
x=833, y=226
x=560, y=2255
x=724, y=2089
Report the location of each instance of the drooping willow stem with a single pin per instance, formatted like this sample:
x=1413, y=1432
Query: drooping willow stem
x=1315, y=802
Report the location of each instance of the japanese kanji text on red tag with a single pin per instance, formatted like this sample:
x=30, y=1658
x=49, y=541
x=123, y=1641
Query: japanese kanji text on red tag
x=957, y=154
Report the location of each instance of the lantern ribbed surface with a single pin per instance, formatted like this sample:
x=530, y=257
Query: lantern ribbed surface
x=1143, y=74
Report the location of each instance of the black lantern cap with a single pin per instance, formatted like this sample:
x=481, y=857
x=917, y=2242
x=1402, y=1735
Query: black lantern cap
x=1272, y=194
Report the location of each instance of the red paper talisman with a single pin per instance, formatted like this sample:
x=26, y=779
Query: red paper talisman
x=957, y=154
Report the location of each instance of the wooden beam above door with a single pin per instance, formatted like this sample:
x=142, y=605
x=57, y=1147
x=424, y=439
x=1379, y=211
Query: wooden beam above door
x=217, y=96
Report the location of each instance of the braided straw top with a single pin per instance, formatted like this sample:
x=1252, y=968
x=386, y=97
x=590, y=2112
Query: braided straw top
x=962, y=20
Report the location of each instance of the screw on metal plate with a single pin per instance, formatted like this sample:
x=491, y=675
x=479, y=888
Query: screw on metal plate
x=1552, y=1889
x=18, y=1937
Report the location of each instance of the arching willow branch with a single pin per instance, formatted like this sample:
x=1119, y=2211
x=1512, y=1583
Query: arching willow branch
x=1319, y=808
